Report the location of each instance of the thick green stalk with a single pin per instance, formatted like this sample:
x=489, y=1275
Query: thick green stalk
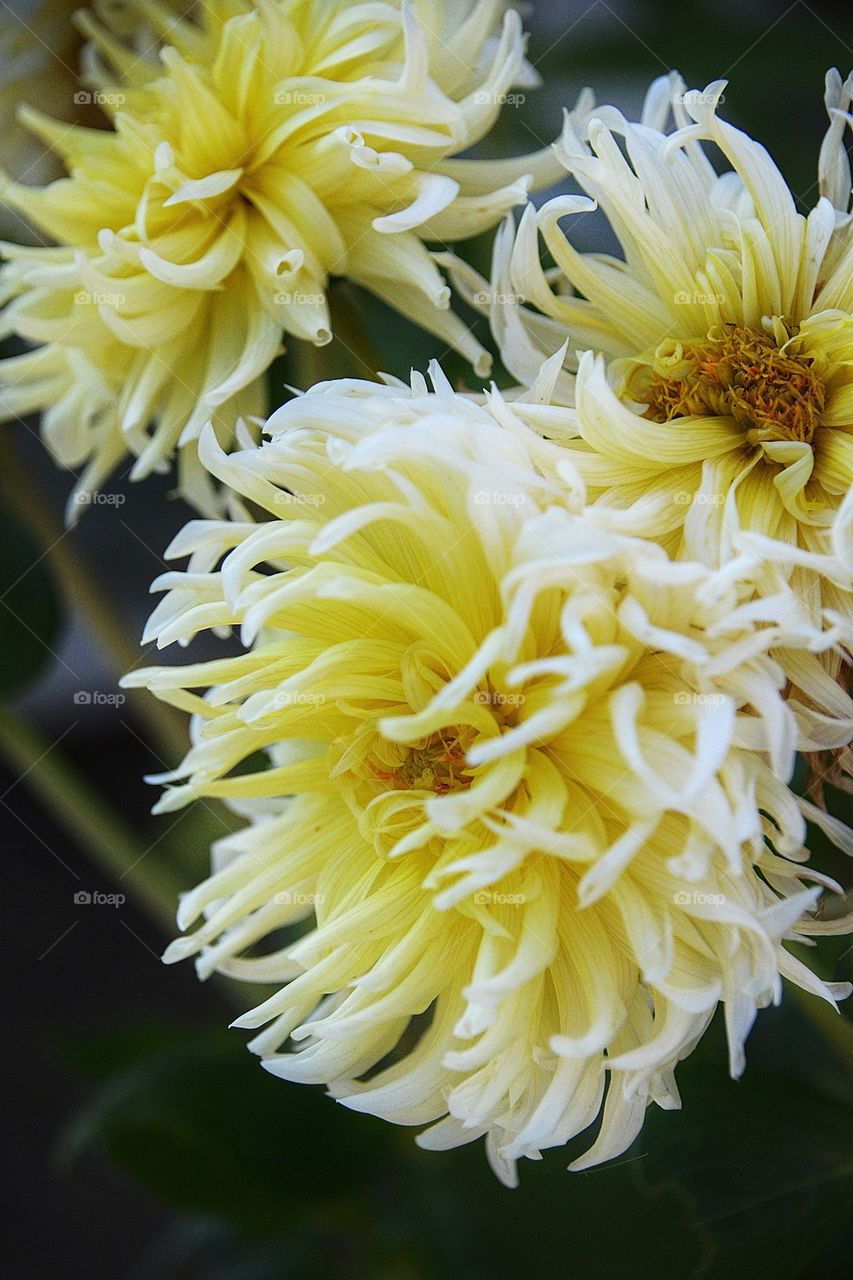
x=152, y=874
x=83, y=594
x=87, y=817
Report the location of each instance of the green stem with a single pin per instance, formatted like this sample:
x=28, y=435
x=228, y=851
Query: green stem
x=148, y=876
x=83, y=594
x=84, y=814
x=350, y=334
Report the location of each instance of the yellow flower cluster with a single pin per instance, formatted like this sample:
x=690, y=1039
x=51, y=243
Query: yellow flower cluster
x=527, y=775
x=714, y=387
x=524, y=676
x=256, y=150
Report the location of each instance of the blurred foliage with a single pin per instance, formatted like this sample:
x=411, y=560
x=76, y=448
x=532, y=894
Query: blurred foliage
x=275, y=1182
x=774, y=56
x=340, y=1194
x=766, y=1168
x=29, y=608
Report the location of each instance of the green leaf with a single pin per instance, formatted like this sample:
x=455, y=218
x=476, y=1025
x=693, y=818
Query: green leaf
x=197, y=1121
x=767, y=1165
x=751, y=1178
x=29, y=608
x=601, y=1223
x=272, y=1182
x=203, y=1126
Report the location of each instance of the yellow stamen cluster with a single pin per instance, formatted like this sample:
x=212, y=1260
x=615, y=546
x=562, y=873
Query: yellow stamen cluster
x=741, y=373
x=439, y=765
x=702, y=382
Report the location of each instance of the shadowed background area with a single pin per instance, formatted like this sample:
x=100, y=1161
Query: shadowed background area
x=145, y=1142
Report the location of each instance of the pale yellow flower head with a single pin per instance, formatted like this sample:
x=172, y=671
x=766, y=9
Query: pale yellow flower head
x=40, y=48
x=526, y=790
x=257, y=150
x=715, y=388
x=38, y=55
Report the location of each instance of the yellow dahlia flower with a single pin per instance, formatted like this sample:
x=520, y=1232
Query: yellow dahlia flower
x=260, y=149
x=715, y=392
x=526, y=782
x=38, y=59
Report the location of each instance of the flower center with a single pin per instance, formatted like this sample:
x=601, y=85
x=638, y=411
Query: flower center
x=740, y=373
x=438, y=764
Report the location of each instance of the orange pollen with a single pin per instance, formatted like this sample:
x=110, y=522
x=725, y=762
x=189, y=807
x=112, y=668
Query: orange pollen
x=438, y=765
x=742, y=374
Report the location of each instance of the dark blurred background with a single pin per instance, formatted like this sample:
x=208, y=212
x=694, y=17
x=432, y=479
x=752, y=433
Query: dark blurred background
x=143, y=1140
